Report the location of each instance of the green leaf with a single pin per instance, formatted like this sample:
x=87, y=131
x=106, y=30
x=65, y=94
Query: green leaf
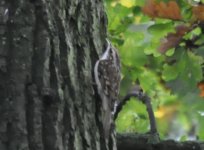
x=193, y=68
x=170, y=72
x=136, y=10
x=133, y=118
x=131, y=52
x=170, y=52
x=161, y=29
x=139, y=3
x=169, y=79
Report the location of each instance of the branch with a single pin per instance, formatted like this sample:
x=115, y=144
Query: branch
x=140, y=142
x=138, y=93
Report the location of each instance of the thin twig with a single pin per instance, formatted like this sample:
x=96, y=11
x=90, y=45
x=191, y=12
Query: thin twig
x=145, y=100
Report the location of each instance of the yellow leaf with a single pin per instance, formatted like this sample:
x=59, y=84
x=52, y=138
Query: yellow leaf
x=127, y=3
x=159, y=114
x=113, y=3
x=166, y=111
x=137, y=19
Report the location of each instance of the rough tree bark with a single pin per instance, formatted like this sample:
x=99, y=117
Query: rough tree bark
x=48, y=50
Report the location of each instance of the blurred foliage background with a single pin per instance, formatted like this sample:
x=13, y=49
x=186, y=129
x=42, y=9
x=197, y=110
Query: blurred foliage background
x=161, y=44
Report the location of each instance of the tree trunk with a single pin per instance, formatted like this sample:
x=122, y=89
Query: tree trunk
x=48, y=99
